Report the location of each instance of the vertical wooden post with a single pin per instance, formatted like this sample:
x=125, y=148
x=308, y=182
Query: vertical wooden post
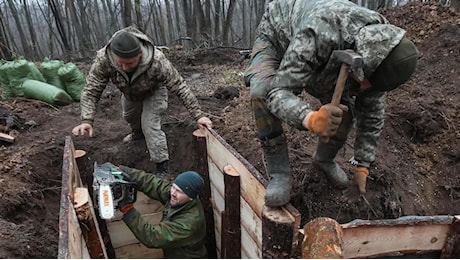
x=452, y=246
x=201, y=166
x=83, y=164
x=231, y=217
x=278, y=230
x=323, y=238
x=88, y=223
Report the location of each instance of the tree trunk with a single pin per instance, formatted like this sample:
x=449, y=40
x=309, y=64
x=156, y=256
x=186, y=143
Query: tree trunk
x=60, y=27
x=217, y=19
x=126, y=13
x=201, y=26
x=228, y=22
x=28, y=52
x=178, y=21
x=5, y=53
x=85, y=27
x=170, y=29
x=189, y=21
x=137, y=8
x=36, y=50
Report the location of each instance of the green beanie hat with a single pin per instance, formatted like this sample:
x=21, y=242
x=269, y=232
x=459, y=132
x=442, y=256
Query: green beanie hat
x=125, y=45
x=396, y=68
x=191, y=183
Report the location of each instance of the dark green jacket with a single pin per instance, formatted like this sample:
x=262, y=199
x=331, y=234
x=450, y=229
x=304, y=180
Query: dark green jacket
x=181, y=232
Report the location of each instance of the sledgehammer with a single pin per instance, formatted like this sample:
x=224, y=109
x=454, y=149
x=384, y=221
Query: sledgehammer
x=350, y=61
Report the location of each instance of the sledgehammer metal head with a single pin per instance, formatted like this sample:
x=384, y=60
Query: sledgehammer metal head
x=352, y=59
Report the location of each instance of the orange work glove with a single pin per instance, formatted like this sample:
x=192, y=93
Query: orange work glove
x=126, y=208
x=326, y=121
x=357, y=185
x=359, y=178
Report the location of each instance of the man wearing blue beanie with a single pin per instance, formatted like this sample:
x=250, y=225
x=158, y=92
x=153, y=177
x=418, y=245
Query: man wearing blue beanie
x=182, y=231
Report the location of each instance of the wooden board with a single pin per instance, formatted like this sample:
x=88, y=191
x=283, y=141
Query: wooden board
x=71, y=243
x=138, y=251
x=7, y=138
x=252, y=190
x=121, y=235
x=252, y=225
x=376, y=238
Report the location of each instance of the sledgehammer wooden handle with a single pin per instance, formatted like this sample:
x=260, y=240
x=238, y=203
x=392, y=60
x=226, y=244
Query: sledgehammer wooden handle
x=339, y=86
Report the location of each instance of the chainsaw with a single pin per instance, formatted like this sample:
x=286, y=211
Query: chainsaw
x=112, y=188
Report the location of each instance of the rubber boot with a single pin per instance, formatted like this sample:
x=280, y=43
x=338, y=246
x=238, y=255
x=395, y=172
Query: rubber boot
x=277, y=165
x=162, y=169
x=133, y=136
x=324, y=159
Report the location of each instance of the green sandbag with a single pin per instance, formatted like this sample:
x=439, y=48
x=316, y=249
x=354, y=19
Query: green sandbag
x=73, y=80
x=18, y=71
x=7, y=92
x=49, y=69
x=45, y=92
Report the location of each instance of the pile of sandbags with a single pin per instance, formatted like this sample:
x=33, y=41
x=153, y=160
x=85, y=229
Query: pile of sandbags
x=51, y=81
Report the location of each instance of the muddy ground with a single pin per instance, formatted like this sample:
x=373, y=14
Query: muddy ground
x=416, y=171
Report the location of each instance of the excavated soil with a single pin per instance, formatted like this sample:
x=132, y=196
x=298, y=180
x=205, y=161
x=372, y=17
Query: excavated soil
x=416, y=171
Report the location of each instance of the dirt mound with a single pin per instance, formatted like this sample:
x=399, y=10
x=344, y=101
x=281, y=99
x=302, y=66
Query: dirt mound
x=416, y=171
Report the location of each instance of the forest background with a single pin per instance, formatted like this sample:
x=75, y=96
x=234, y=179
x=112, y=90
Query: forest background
x=74, y=29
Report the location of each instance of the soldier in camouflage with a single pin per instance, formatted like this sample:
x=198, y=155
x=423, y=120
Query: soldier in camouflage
x=292, y=54
x=144, y=76
x=182, y=230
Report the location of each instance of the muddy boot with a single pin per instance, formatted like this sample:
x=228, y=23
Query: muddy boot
x=162, y=169
x=324, y=159
x=277, y=165
x=133, y=136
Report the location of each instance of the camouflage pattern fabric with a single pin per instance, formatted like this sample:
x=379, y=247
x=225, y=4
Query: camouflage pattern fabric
x=147, y=115
x=154, y=70
x=182, y=231
x=292, y=54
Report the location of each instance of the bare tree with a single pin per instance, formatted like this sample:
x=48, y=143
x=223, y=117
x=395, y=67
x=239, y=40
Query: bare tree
x=177, y=16
x=228, y=22
x=171, y=28
x=137, y=8
x=59, y=24
x=28, y=51
x=5, y=52
x=127, y=9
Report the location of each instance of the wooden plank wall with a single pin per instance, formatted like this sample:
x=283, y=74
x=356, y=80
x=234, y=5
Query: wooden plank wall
x=392, y=237
x=71, y=243
x=252, y=191
x=124, y=242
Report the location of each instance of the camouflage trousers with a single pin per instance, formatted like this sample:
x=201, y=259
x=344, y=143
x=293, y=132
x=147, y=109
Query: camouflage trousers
x=262, y=66
x=146, y=114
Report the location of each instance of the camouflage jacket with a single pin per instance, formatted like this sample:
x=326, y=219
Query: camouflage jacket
x=304, y=33
x=181, y=232
x=154, y=70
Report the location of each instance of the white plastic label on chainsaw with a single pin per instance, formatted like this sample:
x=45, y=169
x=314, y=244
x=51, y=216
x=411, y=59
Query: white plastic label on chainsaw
x=106, y=202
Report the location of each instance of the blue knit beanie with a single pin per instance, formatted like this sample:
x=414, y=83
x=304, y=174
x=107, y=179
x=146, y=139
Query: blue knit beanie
x=125, y=45
x=191, y=183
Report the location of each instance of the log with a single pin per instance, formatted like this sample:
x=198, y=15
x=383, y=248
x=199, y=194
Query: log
x=83, y=163
x=278, y=230
x=89, y=226
x=323, y=238
x=394, y=237
x=7, y=138
x=452, y=246
x=231, y=219
x=201, y=166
